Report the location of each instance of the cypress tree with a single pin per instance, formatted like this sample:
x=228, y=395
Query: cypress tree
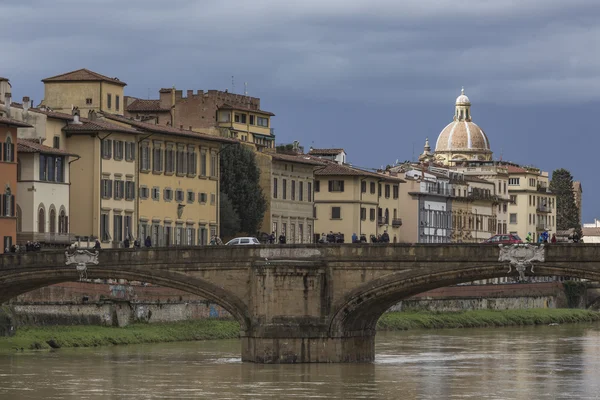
x=240, y=177
x=567, y=212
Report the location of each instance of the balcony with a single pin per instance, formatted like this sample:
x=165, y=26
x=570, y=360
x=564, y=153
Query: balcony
x=397, y=222
x=484, y=196
x=543, y=189
x=543, y=209
x=540, y=226
x=436, y=190
x=383, y=221
x=46, y=237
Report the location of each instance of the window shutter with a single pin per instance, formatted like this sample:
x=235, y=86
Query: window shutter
x=341, y=186
x=2, y=205
x=109, y=148
x=1, y=152
x=12, y=205
x=109, y=187
x=66, y=227
x=331, y=186
x=12, y=152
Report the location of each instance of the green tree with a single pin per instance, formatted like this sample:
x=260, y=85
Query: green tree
x=228, y=217
x=240, y=182
x=567, y=213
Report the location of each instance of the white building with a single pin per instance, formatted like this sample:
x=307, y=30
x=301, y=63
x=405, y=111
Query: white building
x=42, y=194
x=591, y=232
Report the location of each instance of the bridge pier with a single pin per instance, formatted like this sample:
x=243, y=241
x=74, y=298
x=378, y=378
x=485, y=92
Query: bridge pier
x=291, y=350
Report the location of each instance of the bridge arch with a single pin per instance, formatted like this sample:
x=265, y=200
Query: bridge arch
x=19, y=281
x=358, y=312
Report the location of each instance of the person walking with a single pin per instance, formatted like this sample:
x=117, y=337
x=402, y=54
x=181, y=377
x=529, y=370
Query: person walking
x=126, y=243
x=553, y=240
x=385, y=238
x=282, y=239
x=354, y=238
x=528, y=237
x=148, y=242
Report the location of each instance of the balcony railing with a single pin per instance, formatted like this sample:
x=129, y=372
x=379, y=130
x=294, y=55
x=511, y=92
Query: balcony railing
x=383, y=221
x=436, y=190
x=483, y=196
x=543, y=189
x=541, y=226
x=396, y=222
x=543, y=209
x=45, y=237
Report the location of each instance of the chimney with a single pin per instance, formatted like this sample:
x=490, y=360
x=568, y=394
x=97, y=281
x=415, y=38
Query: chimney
x=26, y=103
x=76, y=113
x=7, y=103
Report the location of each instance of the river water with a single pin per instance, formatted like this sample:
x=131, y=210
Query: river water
x=548, y=362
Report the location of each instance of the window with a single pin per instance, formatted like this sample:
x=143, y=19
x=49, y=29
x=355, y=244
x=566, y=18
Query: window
x=144, y=192
x=56, y=142
x=157, y=159
x=7, y=201
x=251, y=119
x=317, y=186
x=88, y=101
x=191, y=196
x=145, y=158
x=513, y=199
x=178, y=235
x=513, y=181
x=213, y=199
x=118, y=228
x=41, y=220
x=301, y=233
x=336, y=186
x=284, y=192
x=396, y=191
x=203, y=162
x=372, y=187
x=106, y=188
x=179, y=195
x=214, y=173
x=156, y=193
x=336, y=213
x=363, y=213
x=168, y=194
x=51, y=168
x=190, y=236
x=119, y=189
x=169, y=159
x=240, y=118
x=63, y=222
x=363, y=187
x=108, y=100
x=191, y=162
x=129, y=190
x=379, y=190
x=181, y=160
x=274, y=188
x=513, y=218
x=293, y=190
x=130, y=151
x=387, y=191
x=118, y=150
x=309, y=192
x=261, y=121
x=224, y=116
x=117, y=102
x=202, y=197
x=301, y=191
x=106, y=148
x=532, y=182
x=202, y=236
x=104, y=226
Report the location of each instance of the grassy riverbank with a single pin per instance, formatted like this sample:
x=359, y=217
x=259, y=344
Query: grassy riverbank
x=31, y=338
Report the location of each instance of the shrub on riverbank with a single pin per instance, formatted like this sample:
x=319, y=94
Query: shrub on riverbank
x=28, y=338
x=395, y=321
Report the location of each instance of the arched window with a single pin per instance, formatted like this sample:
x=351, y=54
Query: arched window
x=52, y=220
x=9, y=150
x=63, y=222
x=19, y=220
x=41, y=220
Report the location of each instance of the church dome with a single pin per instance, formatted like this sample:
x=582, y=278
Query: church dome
x=462, y=138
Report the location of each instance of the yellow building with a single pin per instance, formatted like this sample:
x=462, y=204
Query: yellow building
x=247, y=125
x=85, y=89
x=350, y=200
x=532, y=207
x=178, y=175
x=103, y=195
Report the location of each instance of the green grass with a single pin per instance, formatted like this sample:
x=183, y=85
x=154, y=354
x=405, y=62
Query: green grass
x=32, y=338
x=395, y=321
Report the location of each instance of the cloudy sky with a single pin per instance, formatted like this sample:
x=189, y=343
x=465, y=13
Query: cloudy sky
x=375, y=77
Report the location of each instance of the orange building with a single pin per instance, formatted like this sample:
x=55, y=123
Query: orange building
x=8, y=180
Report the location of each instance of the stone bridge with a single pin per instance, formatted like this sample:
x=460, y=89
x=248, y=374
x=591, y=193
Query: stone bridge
x=299, y=303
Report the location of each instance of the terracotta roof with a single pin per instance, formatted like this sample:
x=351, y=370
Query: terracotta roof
x=325, y=152
x=30, y=146
x=515, y=170
x=476, y=179
x=97, y=126
x=83, y=75
x=300, y=158
x=227, y=106
x=53, y=114
x=591, y=231
x=14, y=123
x=146, y=105
x=168, y=130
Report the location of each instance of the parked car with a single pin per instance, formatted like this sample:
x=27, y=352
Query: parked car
x=242, y=241
x=510, y=238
